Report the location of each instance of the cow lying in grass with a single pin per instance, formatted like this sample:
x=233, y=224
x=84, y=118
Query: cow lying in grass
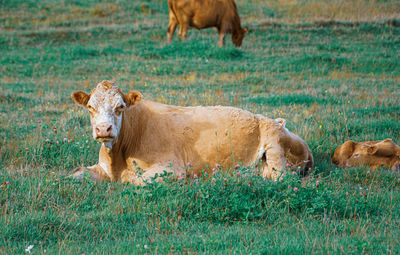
x=374, y=154
x=221, y=14
x=138, y=135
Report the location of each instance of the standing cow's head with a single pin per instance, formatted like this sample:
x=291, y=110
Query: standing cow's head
x=238, y=35
x=106, y=104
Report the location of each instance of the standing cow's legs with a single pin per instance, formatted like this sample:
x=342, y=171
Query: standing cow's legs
x=221, y=42
x=171, y=26
x=222, y=32
x=183, y=27
x=184, y=32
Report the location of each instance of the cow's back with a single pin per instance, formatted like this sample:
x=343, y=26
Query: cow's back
x=227, y=134
x=206, y=136
x=204, y=13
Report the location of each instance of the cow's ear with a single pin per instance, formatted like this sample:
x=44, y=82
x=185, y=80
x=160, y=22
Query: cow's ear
x=281, y=121
x=372, y=149
x=80, y=98
x=348, y=147
x=132, y=98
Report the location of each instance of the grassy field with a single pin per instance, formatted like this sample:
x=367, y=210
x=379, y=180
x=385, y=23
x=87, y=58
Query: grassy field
x=330, y=67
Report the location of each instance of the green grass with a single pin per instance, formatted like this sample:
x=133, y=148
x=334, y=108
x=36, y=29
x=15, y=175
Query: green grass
x=332, y=81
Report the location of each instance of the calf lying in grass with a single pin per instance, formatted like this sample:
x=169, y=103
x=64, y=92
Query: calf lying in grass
x=383, y=153
x=141, y=136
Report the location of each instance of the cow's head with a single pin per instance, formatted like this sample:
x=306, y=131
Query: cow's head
x=106, y=104
x=343, y=153
x=238, y=35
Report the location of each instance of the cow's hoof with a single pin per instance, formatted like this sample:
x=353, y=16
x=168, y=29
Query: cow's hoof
x=79, y=173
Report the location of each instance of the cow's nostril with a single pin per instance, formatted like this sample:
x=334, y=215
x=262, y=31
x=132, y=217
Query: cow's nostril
x=103, y=129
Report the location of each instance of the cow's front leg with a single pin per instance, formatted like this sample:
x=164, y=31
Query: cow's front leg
x=275, y=162
x=221, y=42
x=95, y=172
x=183, y=27
x=184, y=32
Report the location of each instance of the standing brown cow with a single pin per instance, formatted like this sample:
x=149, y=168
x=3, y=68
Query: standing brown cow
x=200, y=14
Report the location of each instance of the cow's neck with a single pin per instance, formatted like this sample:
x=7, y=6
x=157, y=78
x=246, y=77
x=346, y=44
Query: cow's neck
x=111, y=161
x=131, y=132
x=236, y=26
x=113, y=158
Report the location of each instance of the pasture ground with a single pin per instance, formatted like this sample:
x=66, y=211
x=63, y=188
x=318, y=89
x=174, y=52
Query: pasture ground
x=331, y=68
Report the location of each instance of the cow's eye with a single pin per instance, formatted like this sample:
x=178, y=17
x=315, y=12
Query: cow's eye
x=120, y=108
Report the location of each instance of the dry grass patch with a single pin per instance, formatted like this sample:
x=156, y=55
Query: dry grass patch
x=297, y=11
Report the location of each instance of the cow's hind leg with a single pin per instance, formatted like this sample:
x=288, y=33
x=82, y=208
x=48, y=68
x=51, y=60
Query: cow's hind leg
x=171, y=26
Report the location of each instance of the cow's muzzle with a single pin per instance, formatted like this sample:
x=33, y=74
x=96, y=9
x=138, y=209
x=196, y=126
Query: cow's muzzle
x=104, y=131
x=335, y=161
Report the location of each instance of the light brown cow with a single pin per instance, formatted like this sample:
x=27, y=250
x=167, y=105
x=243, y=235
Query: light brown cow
x=140, y=135
x=201, y=14
x=383, y=153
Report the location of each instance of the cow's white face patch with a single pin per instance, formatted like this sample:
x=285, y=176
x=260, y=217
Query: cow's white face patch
x=106, y=106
